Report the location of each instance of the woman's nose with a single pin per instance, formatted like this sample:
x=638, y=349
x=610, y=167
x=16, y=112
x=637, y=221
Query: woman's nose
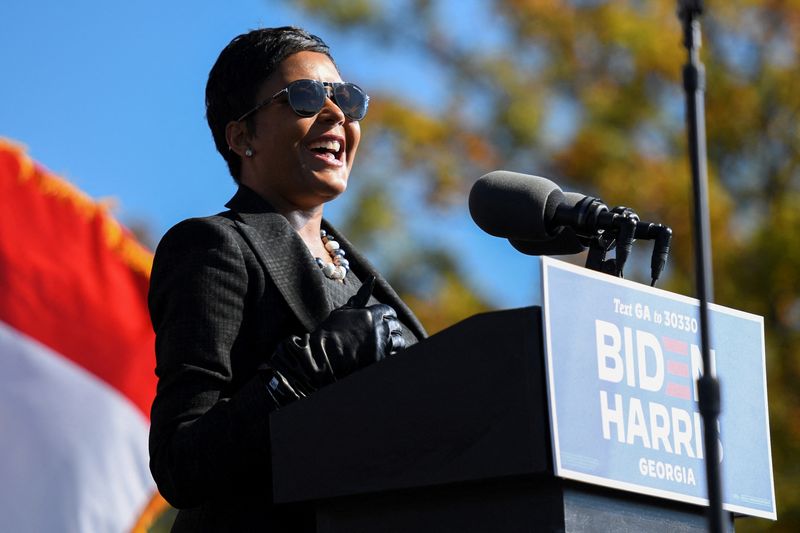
x=332, y=112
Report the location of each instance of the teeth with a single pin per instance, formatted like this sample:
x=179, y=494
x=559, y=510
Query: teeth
x=326, y=145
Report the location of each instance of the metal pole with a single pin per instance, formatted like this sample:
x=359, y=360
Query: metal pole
x=708, y=385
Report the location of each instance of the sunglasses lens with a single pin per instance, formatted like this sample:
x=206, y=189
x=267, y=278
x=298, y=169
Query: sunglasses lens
x=351, y=99
x=307, y=97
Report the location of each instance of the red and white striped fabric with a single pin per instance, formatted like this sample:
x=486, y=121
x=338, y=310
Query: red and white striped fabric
x=76, y=356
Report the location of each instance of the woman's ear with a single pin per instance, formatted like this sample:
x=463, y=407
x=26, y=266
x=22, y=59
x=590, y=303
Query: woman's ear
x=237, y=136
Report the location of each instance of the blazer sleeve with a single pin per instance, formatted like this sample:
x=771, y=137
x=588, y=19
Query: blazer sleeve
x=204, y=441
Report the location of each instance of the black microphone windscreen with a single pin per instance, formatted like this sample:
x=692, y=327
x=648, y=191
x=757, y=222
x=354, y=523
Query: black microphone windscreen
x=565, y=243
x=515, y=206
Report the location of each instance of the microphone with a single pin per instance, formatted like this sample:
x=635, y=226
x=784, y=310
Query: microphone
x=566, y=241
x=515, y=206
x=520, y=207
x=538, y=218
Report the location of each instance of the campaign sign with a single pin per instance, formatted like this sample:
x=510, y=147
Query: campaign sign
x=622, y=360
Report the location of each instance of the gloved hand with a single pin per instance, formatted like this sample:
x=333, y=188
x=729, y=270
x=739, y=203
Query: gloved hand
x=351, y=337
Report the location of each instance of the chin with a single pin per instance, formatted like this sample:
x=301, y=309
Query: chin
x=334, y=193
x=336, y=182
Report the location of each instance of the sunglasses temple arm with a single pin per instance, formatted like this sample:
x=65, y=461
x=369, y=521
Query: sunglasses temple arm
x=262, y=104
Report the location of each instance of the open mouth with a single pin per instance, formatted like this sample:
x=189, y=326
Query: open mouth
x=328, y=148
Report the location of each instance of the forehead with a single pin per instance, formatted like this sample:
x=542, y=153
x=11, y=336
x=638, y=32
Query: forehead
x=302, y=65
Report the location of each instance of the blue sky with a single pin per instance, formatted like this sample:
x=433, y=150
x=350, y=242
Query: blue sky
x=110, y=96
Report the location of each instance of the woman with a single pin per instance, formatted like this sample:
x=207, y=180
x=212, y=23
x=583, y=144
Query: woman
x=264, y=303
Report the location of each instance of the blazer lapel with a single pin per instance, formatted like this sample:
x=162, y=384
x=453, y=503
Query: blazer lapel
x=293, y=270
x=284, y=256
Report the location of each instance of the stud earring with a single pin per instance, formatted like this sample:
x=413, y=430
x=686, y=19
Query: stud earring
x=248, y=152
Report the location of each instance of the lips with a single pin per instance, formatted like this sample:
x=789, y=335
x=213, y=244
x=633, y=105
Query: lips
x=328, y=148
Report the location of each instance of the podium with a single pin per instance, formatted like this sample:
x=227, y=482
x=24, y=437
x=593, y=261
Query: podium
x=450, y=435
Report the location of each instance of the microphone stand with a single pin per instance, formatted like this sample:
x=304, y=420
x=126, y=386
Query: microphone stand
x=708, y=385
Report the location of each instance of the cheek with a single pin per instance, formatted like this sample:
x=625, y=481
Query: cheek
x=354, y=136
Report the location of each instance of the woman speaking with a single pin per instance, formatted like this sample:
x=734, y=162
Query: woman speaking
x=263, y=303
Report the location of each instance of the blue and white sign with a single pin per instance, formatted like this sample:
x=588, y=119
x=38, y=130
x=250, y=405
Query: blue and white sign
x=622, y=359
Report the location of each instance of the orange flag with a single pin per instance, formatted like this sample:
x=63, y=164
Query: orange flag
x=76, y=348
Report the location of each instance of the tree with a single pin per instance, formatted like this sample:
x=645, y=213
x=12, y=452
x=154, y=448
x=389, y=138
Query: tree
x=588, y=92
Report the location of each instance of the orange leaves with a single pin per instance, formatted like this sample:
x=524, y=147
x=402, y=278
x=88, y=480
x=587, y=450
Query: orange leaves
x=343, y=12
x=453, y=300
x=440, y=145
x=417, y=128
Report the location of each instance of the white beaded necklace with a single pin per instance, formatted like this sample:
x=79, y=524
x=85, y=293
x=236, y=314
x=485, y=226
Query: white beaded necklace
x=338, y=269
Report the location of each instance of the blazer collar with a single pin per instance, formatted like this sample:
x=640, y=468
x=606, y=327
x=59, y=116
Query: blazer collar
x=284, y=256
x=246, y=200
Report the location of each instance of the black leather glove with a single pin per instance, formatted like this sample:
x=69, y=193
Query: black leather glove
x=351, y=337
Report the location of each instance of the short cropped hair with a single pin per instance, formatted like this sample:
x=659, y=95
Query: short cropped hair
x=238, y=73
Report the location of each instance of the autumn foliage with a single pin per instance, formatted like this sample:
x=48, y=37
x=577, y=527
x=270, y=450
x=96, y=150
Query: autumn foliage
x=589, y=93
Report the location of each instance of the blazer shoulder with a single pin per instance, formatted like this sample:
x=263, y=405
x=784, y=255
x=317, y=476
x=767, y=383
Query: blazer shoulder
x=201, y=224
x=200, y=230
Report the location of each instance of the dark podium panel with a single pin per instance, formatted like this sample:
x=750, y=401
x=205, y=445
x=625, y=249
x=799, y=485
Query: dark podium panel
x=450, y=435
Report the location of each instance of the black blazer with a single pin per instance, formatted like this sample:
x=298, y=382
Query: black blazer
x=224, y=291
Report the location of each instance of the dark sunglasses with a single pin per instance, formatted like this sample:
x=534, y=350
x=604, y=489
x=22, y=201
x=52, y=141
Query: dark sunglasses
x=307, y=98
